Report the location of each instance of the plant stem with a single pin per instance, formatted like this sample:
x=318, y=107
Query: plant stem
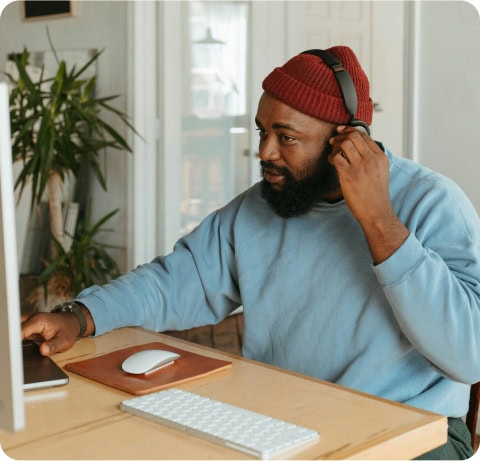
x=54, y=191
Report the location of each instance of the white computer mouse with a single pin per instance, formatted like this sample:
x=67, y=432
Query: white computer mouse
x=148, y=361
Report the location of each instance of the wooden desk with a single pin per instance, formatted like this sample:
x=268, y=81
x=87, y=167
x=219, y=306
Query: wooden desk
x=82, y=420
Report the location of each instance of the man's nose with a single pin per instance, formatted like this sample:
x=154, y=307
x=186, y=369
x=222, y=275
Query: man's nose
x=268, y=150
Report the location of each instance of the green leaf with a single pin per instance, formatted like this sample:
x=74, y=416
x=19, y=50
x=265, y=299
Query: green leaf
x=88, y=64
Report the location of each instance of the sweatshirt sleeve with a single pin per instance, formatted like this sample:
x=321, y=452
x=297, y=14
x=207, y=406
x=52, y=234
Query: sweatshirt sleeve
x=432, y=282
x=194, y=285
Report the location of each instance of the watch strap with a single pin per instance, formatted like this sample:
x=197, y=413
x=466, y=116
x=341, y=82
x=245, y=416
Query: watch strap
x=74, y=308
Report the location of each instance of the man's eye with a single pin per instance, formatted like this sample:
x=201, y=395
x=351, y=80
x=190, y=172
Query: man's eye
x=286, y=138
x=261, y=133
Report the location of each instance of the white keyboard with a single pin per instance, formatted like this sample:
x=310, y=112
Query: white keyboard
x=249, y=432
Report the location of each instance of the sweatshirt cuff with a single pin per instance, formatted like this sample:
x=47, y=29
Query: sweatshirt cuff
x=99, y=315
x=399, y=265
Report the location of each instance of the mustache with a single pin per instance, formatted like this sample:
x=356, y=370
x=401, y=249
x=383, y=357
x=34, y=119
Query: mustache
x=270, y=166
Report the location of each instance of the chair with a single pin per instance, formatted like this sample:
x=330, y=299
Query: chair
x=472, y=415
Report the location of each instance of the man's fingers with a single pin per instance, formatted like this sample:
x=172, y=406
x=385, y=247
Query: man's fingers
x=34, y=326
x=48, y=347
x=45, y=329
x=359, y=140
x=54, y=332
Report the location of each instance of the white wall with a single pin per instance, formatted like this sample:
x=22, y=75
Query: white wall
x=100, y=25
x=448, y=89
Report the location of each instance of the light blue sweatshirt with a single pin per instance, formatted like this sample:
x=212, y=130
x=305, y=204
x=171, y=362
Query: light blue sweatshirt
x=407, y=329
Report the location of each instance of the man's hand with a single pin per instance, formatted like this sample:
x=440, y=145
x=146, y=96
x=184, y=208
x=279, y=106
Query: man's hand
x=56, y=332
x=363, y=172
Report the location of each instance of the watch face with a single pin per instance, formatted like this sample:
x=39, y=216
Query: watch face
x=66, y=307
x=73, y=308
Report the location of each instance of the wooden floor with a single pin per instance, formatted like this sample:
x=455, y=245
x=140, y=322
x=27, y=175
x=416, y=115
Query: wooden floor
x=226, y=336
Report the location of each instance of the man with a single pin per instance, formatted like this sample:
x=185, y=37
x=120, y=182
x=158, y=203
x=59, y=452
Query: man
x=352, y=265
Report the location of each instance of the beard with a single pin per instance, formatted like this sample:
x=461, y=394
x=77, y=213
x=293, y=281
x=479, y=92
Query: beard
x=297, y=197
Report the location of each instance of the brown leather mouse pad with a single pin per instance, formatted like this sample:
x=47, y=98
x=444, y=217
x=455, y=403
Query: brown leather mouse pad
x=107, y=369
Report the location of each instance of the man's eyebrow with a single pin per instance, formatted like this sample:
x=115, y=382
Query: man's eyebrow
x=277, y=126
x=284, y=126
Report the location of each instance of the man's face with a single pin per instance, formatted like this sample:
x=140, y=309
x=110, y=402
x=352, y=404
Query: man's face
x=294, y=153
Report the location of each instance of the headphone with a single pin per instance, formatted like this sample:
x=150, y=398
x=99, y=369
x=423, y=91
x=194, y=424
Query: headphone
x=347, y=88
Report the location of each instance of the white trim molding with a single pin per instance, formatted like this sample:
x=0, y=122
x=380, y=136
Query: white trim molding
x=142, y=165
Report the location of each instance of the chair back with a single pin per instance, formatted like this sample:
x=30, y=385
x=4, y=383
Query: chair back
x=472, y=414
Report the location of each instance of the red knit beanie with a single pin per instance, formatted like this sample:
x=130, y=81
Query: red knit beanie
x=308, y=85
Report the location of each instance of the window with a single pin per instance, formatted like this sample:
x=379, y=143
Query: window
x=214, y=108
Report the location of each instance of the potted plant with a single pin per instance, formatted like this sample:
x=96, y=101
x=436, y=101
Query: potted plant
x=58, y=128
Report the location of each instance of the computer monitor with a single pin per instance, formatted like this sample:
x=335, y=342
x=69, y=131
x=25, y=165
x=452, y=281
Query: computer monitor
x=12, y=412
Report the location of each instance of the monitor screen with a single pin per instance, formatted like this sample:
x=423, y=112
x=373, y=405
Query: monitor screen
x=12, y=413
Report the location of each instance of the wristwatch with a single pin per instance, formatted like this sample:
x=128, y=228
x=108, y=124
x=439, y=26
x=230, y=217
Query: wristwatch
x=74, y=308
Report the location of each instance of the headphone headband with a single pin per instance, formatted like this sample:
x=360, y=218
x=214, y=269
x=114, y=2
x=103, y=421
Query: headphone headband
x=345, y=84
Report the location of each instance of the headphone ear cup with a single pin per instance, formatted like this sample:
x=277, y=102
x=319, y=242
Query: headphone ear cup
x=360, y=126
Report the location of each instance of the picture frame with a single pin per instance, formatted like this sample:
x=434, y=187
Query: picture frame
x=33, y=10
